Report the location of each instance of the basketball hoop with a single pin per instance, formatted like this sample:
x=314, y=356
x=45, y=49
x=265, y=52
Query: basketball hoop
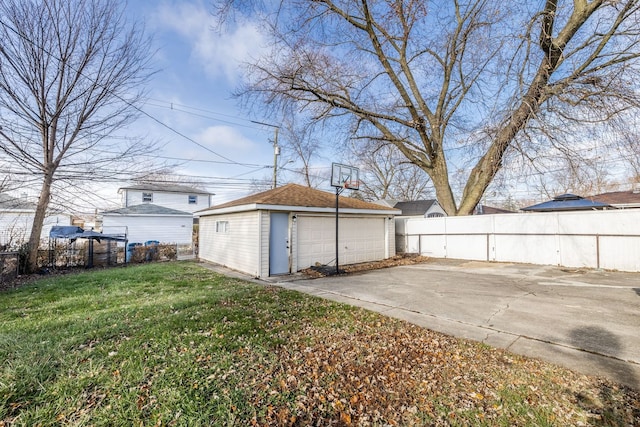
x=351, y=185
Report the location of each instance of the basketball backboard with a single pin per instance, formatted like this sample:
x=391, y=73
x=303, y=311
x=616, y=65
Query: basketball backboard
x=345, y=176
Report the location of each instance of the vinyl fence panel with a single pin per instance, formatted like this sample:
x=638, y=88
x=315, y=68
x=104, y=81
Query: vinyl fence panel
x=595, y=239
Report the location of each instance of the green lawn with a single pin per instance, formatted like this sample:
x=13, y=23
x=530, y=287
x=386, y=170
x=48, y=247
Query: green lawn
x=176, y=344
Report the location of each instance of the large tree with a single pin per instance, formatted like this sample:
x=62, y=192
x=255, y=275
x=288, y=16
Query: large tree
x=466, y=82
x=71, y=73
x=386, y=174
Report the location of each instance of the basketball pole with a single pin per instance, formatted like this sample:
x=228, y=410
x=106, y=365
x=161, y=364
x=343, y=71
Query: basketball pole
x=337, y=246
x=342, y=177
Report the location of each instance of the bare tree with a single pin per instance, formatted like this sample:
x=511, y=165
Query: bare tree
x=168, y=176
x=71, y=73
x=301, y=147
x=386, y=174
x=583, y=179
x=629, y=147
x=445, y=81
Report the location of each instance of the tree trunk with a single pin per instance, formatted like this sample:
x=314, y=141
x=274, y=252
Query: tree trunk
x=440, y=177
x=36, y=229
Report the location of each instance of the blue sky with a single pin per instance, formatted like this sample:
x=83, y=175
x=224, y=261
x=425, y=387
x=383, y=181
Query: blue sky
x=192, y=93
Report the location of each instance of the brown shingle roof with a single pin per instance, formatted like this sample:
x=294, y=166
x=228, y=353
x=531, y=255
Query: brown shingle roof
x=300, y=196
x=617, y=198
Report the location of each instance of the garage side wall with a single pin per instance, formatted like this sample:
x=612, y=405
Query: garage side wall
x=232, y=240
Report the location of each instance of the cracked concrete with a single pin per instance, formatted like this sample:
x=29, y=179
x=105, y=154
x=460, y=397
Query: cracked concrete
x=587, y=320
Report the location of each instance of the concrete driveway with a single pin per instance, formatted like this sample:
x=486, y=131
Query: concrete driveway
x=586, y=320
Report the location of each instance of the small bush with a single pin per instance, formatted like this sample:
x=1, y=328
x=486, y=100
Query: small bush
x=168, y=252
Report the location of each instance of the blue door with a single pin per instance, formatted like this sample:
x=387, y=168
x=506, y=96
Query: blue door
x=279, y=244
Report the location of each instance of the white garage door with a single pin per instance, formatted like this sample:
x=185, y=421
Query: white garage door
x=361, y=240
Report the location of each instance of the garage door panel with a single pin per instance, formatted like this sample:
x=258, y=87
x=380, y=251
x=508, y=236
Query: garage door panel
x=361, y=240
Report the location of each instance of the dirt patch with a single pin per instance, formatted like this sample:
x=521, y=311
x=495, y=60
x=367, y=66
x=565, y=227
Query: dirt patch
x=398, y=260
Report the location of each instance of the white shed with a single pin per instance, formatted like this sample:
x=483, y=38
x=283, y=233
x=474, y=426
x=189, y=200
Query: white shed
x=147, y=222
x=293, y=227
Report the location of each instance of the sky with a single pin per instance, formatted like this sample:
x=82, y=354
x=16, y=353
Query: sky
x=196, y=120
x=199, y=68
x=193, y=114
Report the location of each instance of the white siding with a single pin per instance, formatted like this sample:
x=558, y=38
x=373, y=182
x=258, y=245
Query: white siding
x=15, y=227
x=240, y=247
x=141, y=228
x=178, y=201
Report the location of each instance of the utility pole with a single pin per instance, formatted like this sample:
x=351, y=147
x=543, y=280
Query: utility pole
x=276, y=151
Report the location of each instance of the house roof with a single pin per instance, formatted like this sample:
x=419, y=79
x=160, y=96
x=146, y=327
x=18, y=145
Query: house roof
x=386, y=202
x=567, y=202
x=11, y=203
x=297, y=196
x=416, y=207
x=147, y=209
x=489, y=210
x=166, y=188
x=618, y=198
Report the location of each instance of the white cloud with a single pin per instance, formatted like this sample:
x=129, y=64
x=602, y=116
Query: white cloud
x=219, y=54
x=227, y=141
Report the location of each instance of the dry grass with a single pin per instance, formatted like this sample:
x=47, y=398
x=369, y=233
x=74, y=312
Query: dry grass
x=174, y=344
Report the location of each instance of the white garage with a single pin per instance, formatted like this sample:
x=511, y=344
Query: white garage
x=293, y=227
x=146, y=222
x=359, y=239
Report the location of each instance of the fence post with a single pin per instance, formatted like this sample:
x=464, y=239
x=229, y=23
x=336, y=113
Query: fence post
x=598, y=251
x=488, y=248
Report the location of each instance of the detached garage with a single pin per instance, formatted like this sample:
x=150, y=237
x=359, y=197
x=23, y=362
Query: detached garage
x=293, y=227
x=146, y=222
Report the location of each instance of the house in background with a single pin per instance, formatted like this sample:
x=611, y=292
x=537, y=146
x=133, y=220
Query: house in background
x=178, y=197
x=149, y=222
x=430, y=208
x=567, y=202
x=16, y=220
x=417, y=208
x=489, y=210
x=293, y=227
x=620, y=199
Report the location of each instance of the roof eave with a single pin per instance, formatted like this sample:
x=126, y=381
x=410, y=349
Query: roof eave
x=146, y=214
x=289, y=208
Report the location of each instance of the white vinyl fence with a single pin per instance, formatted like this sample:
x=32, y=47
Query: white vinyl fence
x=595, y=239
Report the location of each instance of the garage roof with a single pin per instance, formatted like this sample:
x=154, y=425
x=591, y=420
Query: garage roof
x=298, y=197
x=147, y=209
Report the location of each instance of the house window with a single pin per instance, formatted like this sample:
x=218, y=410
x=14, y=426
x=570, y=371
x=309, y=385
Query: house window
x=222, y=226
x=435, y=215
x=193, y=200
x=147, y=197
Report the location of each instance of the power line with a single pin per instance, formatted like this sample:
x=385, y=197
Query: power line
x=173, y=107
